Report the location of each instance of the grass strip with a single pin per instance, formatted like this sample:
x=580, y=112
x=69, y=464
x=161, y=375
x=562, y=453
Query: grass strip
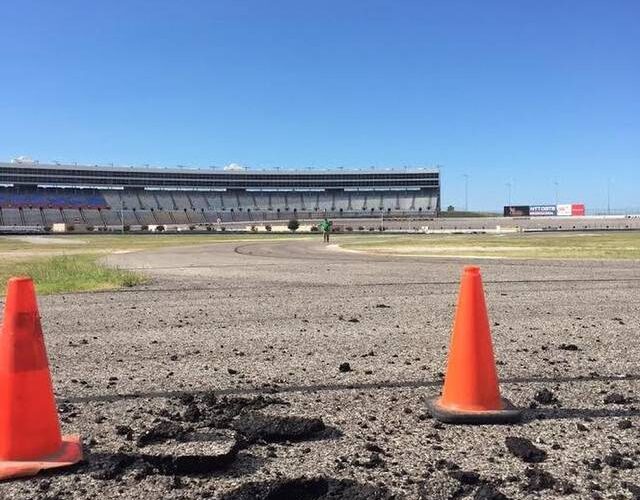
x=69, y=273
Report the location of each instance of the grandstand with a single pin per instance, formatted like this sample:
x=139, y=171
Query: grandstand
x=33, y=194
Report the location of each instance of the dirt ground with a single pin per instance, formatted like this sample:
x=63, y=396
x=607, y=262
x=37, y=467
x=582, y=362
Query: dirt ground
x=286, y=370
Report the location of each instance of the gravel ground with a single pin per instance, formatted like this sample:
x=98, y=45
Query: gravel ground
x=286, y=370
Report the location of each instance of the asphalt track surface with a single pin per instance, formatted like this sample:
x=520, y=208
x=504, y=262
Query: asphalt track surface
x=277, y=318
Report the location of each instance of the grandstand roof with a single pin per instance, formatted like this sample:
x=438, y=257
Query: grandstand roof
x=217, y=169
x=146, y=177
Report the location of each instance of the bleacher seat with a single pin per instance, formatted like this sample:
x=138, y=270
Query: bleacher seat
x=38, y=206
x=11, y=217
x=92, y=217
x=32, y=217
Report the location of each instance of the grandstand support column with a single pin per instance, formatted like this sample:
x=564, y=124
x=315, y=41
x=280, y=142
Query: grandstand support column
x=84, y=219
x=193, y=207
x=20, y=211
x=1, y=220
x=155, y=197
x=137, y=217
x=63, y=215
x=44, y=223
x=173, y=220
x=173, y=200
x=121, y=215
x=104, y=223
x=206, y=201
x=153, y=215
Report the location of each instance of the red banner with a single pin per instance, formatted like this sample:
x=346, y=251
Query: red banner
x=578, y=210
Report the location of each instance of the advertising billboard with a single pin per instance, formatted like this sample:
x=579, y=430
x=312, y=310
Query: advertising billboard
x=542, y=210
x=516, y=211
x=565, y=210
x=578, y=210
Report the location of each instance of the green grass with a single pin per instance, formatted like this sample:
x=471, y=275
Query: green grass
x=70, y=273
x=587, y=246
x=106, y=243
x=60, y=264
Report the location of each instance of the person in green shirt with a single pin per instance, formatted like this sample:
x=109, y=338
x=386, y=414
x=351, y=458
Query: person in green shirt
x=325, y=227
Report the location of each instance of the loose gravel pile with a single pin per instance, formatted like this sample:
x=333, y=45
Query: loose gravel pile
x=286, y=370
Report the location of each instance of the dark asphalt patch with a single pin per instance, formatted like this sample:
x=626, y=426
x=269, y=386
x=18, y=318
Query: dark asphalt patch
x=195, y=455
x=309, y=489
x=525, y=450
x=161, y=432
x=254, y=426
x=545, y=397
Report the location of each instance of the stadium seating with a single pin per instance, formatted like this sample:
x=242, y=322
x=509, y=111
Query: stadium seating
x=52, y=216
x=32, y=216
x=94, y=207
x=51, y=198
x=92, y=217
x=145, y=217
x=113, y=199
x=198, y=201
x=11, y=217
x=147, y=200
x=180, y=199
x=111, y=217
x=245, y=201
x=72, y=216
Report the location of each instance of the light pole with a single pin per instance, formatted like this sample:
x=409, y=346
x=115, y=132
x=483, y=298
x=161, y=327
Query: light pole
x=508, y=193
x=609, y=196
x=466, y=192
x=555, y=183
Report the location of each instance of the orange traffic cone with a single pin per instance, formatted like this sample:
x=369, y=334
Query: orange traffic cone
x=30, y=438
x=471, y=394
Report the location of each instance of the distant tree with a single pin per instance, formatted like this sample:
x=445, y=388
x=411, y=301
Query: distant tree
x=451, y=208
x=267, y=227
x=293, y=225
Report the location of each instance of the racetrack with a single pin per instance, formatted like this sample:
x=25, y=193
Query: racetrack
x=278, y=318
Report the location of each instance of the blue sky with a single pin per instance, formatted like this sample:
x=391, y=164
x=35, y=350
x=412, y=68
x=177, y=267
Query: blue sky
x=530, y=93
